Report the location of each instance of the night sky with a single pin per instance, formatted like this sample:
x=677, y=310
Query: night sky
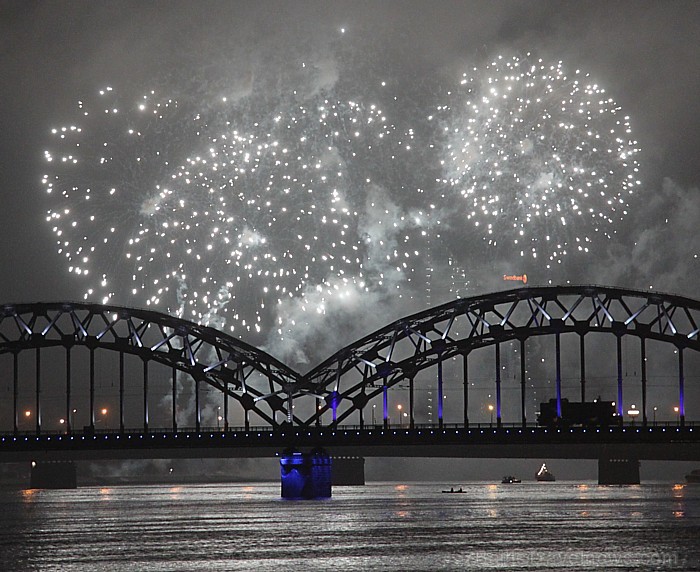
x=644, y=53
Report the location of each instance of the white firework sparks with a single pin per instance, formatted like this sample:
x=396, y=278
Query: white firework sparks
x=219, y=218
x=542, y=161
x=250, y=214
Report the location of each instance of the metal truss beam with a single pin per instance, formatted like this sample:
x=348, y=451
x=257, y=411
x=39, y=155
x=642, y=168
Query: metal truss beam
x=348, y=380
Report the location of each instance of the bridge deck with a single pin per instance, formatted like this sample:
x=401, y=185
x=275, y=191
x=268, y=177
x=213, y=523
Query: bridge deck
x=664, y=442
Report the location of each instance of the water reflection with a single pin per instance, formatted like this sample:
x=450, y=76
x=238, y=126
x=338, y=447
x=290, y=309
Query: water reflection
x=385, y=526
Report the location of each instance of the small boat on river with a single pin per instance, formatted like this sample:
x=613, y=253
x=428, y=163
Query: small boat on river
x=544, y=475
x=452, y=490
x=509, y=479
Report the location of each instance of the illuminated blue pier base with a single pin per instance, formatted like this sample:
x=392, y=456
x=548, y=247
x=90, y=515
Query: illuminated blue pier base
x=305, y=475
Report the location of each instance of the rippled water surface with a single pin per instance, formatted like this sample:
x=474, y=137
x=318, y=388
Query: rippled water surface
x=386, y=526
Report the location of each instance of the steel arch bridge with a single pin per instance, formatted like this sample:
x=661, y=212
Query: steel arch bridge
x=204, y=354
x=345, y=383
x=398, y=351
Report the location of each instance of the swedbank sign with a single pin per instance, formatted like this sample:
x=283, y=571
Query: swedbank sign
x=515, y=278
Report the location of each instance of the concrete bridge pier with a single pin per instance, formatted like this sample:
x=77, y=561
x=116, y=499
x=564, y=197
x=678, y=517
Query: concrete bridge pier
x=348, y=471
x=618, y=470
x=53, y=475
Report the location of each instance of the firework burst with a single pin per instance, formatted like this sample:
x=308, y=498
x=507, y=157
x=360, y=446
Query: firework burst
x=220, y=218
x=541, y=161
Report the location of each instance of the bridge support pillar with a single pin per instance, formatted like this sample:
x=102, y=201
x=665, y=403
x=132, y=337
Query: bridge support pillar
x=618, y=470
x=347, y=471
x=305, y=475
x=53, y=475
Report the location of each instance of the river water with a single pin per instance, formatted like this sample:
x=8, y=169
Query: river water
x=381, y=526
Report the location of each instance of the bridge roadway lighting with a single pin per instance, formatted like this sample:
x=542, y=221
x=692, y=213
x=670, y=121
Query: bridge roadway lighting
x=103, y=412
x=633, y=412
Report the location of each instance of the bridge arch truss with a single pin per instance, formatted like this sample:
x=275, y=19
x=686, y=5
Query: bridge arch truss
x=345, y=388
x=240, y=373
x=368, y=368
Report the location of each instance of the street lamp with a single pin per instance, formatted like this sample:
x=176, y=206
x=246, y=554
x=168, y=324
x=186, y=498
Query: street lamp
x=374, y=407
x=676, y=410
x=399, y=407
x=633, y=412
x=103, y=413
x=655, y=408
x=491, y=411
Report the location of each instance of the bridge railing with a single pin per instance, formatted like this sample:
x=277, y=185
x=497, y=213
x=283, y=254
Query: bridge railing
x=315, y=429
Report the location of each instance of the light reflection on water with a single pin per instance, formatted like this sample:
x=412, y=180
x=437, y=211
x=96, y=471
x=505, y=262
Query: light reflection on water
x=407, y=526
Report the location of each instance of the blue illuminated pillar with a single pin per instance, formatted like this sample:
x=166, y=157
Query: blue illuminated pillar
x=619, y=379
x=498, y=385
x=335, y=399
x=644, y=381
x=385, y=403
x=411, y=402
x=558, y=380
x=582, y=351
x=439, y=389
x=92, y=389
x=681, y=396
